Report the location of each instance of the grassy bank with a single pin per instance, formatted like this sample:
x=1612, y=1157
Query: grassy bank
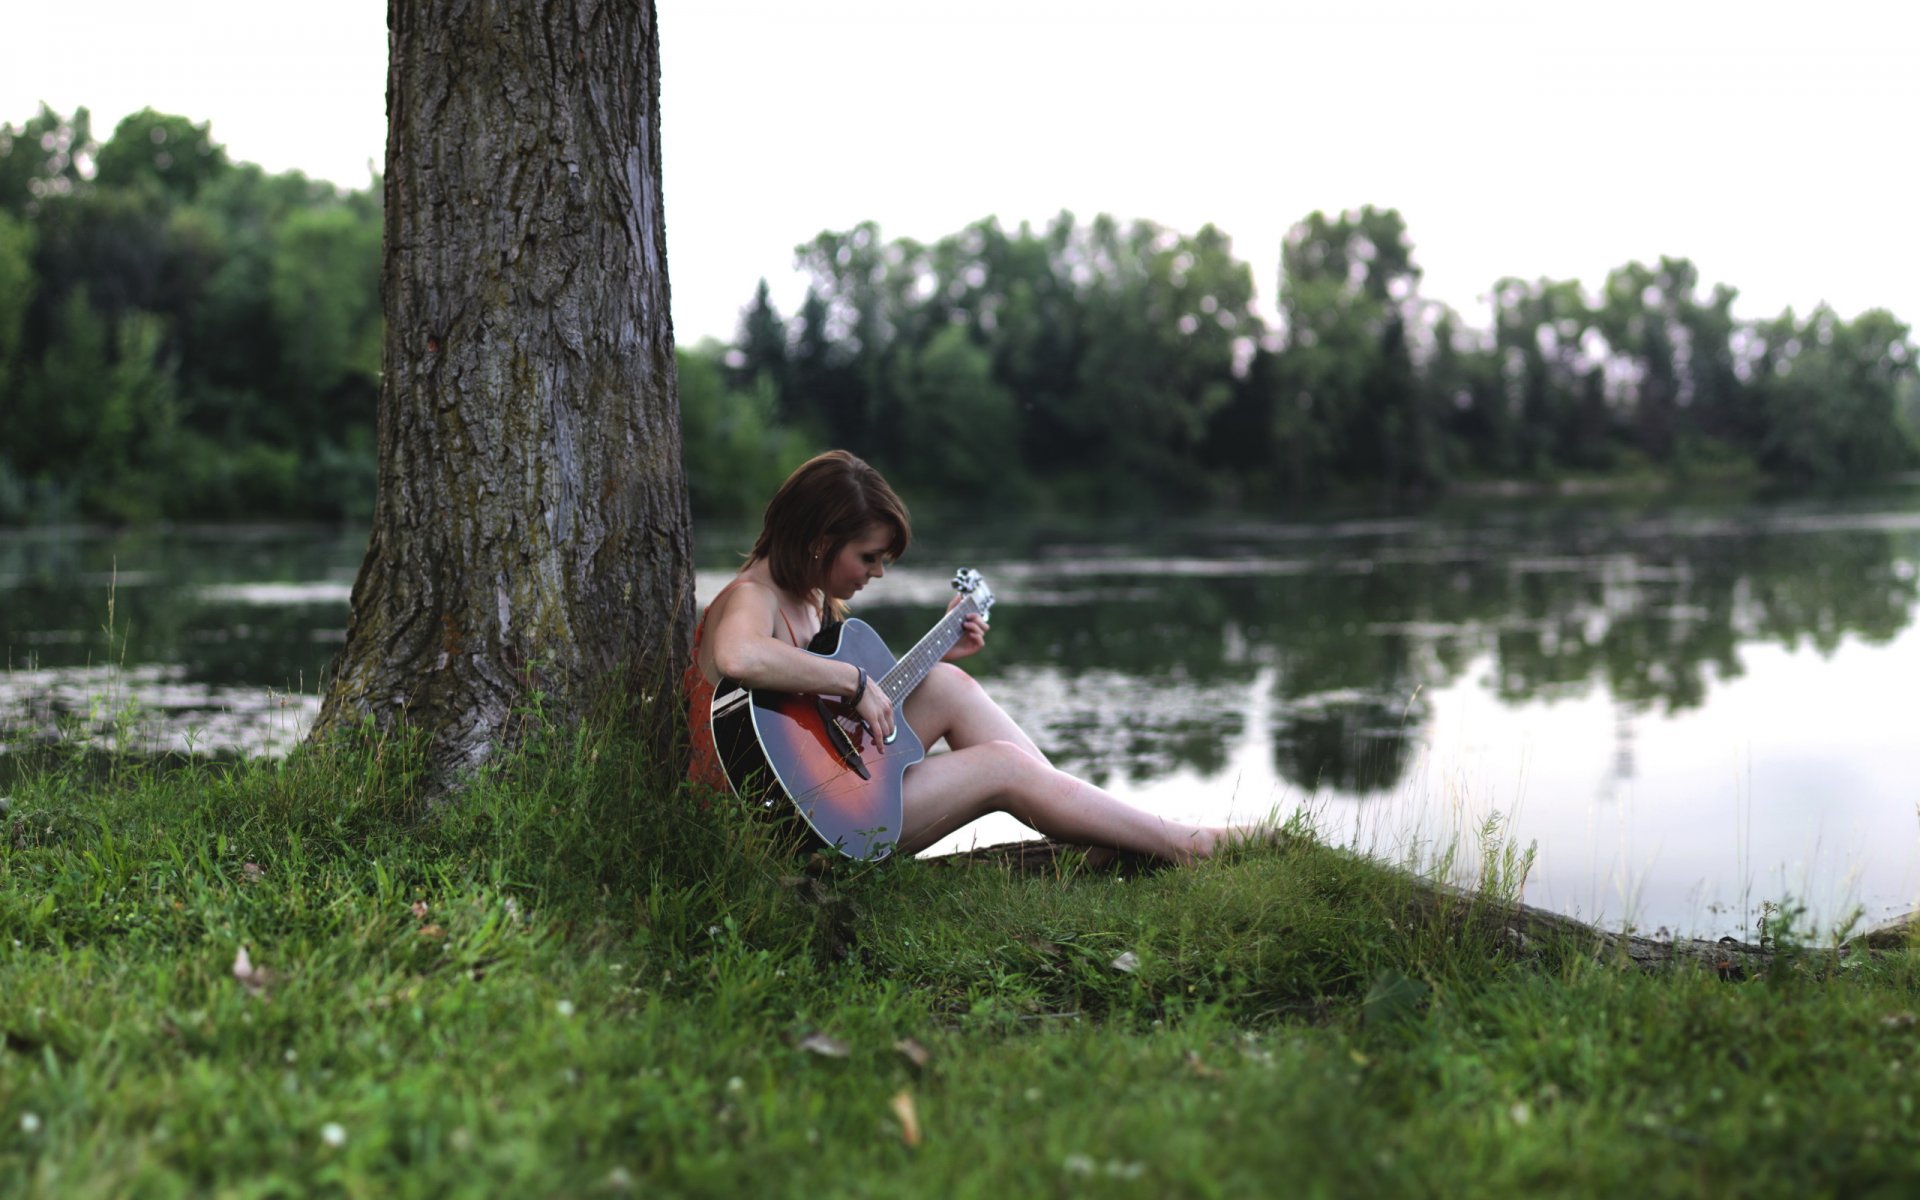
x=580, y=981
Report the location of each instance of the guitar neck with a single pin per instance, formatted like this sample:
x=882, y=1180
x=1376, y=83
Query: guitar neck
x=915, y=663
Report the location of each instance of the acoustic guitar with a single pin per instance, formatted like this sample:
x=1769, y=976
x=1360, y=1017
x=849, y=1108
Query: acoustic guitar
x=813, y=757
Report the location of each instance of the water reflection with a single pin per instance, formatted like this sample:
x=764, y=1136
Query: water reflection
x=1591, y=662
x=1359, y=628
x=1689, y=712
x=209, y=639
x=1357, y=743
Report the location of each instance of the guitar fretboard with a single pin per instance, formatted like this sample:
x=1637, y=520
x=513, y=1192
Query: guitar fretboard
x=915, y=663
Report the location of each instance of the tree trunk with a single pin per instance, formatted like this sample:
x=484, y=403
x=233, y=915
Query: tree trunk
x=531, y=532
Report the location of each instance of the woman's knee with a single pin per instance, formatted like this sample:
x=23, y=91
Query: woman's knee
x=1023, y=778
x=946, y=702
x=950, y=681
x=1002, y=765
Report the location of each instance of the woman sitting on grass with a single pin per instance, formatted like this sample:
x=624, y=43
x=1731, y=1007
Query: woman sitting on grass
x=833, y=527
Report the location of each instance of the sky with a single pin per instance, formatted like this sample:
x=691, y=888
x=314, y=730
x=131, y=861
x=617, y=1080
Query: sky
x=1772, y=143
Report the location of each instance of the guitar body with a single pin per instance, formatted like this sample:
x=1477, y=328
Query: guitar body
x=779, y=747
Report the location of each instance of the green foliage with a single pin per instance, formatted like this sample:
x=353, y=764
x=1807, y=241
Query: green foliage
x=45, y=156
x=156, y=150
x=733, y=447
x=323, y=289
x=957, y=420
x=1165, y=316
x=1828, y=395
x=180, y=337
x=234, y=329
x=763, y=343
x=1125, y=365
x=1349, y=297
x=1673, y=358
x=99, y=413
x=16, y=296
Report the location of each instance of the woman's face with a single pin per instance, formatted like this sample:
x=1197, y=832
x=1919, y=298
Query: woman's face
x=861, y=560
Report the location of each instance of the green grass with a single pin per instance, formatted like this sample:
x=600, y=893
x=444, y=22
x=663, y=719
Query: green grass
x=584, y=979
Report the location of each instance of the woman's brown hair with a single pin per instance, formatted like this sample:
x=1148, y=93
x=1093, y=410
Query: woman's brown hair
x=828, y=501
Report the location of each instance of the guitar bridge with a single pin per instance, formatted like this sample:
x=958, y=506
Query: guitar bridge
x=841, y=742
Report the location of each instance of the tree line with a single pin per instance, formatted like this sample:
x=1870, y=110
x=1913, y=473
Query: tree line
x=186, y=336
x=1112, y=363
x=180, y=335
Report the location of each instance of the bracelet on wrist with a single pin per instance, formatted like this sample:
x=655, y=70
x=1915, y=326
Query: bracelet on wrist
x=859, y=689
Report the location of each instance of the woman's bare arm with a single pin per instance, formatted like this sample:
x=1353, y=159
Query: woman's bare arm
x=745, y=649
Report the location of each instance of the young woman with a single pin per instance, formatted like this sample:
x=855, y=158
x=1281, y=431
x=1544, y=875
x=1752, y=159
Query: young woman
x=833, y=527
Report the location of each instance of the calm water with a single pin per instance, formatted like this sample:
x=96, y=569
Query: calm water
x=1689, y=711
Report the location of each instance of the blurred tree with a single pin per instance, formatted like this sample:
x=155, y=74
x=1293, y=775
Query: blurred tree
x=111, y=244
x=323, y=290
x=1240, y=450
x=1349, y=295
x=17, y=285
x=46, y=155
x=735, y=449
x=96, y=412
x=874, y=316
x=1134, y=366
x=824, y=393
x=158, y=150
x=1164, y=317
x=1638, y=316
x=1554, y=375
x=958, y=423
x=1720, y=406
x=1107, y=349
x=257, y=404
x=1827, y=392
x=1468, y=396
x=762, y=344
x=232, y=365
x=1672, y=358
x=1021, y=295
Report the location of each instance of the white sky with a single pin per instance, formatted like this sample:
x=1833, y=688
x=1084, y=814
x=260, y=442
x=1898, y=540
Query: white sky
x=1773, y=143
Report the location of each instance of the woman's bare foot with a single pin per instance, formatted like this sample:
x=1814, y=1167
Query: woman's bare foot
x=1098, y=858
x=1215, y=838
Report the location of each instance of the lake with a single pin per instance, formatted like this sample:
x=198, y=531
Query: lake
x=1689, y=710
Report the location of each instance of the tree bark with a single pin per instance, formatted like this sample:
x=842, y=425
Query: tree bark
x=531, y=534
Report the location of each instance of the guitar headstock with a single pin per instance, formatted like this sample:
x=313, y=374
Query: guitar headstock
x=969, y=582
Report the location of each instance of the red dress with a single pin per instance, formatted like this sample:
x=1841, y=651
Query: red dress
x=703, y=765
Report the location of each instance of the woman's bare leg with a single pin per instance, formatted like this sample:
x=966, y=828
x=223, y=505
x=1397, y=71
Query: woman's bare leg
x=950, y=704
x=993, y=766
x=949, y=790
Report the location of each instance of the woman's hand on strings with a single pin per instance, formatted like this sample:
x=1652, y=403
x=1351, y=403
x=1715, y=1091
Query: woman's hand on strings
x=973, y=638
x=876, y=711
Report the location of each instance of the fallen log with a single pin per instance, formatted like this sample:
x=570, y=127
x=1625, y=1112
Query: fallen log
x=1895, y=933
